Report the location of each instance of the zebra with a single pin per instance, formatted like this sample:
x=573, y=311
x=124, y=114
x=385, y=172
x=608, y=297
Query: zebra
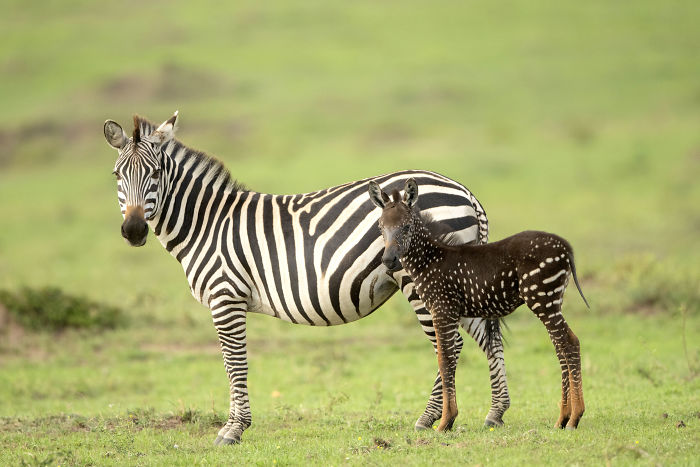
x=311, y=258
x=486, y=281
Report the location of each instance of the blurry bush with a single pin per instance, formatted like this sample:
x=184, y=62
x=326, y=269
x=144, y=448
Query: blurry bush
x=51, y=309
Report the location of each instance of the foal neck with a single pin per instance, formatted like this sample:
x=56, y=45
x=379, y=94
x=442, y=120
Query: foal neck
x=423, y=250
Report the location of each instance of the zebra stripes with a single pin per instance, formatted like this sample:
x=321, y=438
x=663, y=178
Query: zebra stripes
x=311, y=258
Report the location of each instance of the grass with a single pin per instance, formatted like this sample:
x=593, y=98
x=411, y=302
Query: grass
x=312, y=408
x=579, y=119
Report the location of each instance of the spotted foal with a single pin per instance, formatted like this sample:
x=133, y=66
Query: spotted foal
x=483, y=281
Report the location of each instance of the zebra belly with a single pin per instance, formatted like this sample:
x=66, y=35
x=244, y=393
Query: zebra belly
x=376, y=289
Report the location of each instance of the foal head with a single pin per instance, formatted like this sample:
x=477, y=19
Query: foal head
x=396, y=222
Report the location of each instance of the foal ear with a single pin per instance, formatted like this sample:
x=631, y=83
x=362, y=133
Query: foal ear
x=114, y=134
x=410, y=192
x=378, y=197
x=165, y=132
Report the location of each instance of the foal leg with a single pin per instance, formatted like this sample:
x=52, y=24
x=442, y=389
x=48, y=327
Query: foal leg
x=476, y=328
x=433, y=410
x=568, y=352
x=575, y=378
x=445, y=332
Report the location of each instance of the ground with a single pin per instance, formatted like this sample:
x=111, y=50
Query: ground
x=579, y=119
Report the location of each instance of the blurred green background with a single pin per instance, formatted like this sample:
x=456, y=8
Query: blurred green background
x=577, y=118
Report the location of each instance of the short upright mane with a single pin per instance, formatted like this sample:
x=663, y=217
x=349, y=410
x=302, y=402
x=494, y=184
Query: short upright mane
x=181, y=152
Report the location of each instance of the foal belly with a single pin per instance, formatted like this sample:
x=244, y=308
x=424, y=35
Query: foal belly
x=494, y=305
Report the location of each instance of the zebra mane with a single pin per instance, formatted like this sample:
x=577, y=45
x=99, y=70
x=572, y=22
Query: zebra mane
x=137, y=130
x=212, y=166
x=439, y=232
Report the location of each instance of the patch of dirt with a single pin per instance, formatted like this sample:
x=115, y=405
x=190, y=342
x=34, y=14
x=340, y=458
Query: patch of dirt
x=12, y=333
x=43, y=133
x=381, y=443
x=171, y=82
x=388, y=134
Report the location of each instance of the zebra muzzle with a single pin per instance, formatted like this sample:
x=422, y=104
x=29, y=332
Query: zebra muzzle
x=134, y=228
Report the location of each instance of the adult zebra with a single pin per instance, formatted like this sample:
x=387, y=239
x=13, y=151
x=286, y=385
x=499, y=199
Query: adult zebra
x=311, y=258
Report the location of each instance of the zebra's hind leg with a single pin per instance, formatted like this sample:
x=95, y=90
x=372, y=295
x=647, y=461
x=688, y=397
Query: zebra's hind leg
x=230, y=322
x=487, y=333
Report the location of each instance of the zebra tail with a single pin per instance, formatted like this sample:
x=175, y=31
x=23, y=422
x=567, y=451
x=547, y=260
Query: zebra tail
x=578, y=286
x=493, y=333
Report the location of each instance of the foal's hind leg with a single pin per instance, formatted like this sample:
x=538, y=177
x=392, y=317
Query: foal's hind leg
x=568, y=352
x=575, y=379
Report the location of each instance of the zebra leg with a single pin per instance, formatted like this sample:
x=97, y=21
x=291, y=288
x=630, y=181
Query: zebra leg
x=476, y=328
x=230, y=320
x=487, y=333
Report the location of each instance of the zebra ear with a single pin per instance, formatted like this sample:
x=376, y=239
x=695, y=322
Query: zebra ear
x=165, y=132
x=410, y=192
x=114, y=134
x=378, y=197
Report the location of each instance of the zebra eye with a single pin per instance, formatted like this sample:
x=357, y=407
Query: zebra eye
x=116, y=174
x=156, y=174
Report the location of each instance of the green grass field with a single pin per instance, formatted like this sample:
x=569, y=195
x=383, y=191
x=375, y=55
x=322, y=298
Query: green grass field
x=580, y=119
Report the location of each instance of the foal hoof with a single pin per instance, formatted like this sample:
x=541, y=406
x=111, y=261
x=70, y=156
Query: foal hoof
x=569, y=427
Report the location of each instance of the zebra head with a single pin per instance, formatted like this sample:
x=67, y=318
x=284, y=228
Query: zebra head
x=397, y=222
x=138, y=171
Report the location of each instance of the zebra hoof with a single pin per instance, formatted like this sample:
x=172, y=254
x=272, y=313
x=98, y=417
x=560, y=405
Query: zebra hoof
x=222, y=441
x=419, y=427
x=425, y=422
x=489, y=423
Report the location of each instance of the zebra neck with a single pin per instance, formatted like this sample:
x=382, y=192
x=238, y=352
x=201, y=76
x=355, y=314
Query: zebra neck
x=198, y=189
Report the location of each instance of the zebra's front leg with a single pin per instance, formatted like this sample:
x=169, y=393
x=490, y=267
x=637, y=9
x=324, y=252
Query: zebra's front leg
x=230, y=321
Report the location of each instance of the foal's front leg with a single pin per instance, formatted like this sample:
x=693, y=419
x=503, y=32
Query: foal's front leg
x=445, y=332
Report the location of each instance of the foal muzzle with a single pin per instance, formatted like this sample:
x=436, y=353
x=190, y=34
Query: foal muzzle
x=391, y=262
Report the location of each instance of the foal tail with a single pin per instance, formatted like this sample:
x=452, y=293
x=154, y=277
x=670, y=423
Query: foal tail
x=573, y=273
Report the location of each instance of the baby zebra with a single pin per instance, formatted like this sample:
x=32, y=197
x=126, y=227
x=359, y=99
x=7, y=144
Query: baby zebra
x=483, y=281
